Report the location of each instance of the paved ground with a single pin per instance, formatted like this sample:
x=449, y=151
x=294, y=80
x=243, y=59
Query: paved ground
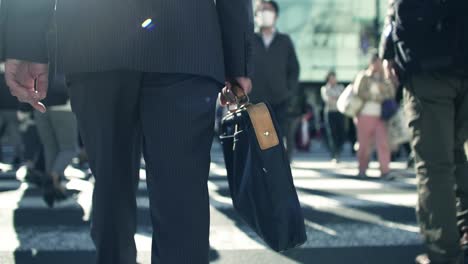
x=348, y=220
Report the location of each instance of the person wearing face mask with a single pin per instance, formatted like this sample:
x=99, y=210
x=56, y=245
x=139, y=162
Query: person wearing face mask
x=276, y=68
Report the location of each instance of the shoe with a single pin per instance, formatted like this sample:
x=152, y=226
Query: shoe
x=362, y=176
x=48, y=193
x=424, y=259
x=53, y=190
x=389, y=176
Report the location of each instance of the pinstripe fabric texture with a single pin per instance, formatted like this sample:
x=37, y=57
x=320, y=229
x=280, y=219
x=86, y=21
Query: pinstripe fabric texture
x=175, y=114
x=2, y=29
x=197, y=37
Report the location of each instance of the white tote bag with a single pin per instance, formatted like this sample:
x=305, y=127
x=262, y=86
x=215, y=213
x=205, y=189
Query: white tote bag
x=349, y=102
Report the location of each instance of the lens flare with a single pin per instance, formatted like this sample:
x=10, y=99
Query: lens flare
x=147, y=23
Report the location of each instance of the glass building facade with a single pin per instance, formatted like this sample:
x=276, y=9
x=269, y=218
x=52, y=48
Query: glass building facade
x=332, y=34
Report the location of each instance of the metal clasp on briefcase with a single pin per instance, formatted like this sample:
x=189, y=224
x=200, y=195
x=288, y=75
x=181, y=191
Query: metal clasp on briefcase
x=259, y=115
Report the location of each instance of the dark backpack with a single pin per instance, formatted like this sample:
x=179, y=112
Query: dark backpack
x=430, y=35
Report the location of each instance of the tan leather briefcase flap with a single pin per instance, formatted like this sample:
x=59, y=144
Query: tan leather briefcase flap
x=263, y=125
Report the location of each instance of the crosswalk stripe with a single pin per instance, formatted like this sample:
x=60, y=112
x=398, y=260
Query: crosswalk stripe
x=220, y=201
x=222, y=237
x=337, y=207
x=341, y=211
x=338, y=192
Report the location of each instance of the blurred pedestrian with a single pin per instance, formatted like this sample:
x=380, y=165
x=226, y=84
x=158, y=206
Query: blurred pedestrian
x=10, y=135
x=406, y=146
x=304, y=133
x=373, y=89
x=33, y=153
x=138, y=69
x=425, y=46
x=59, y=136
x=351, y=135
x=276, y=68
x=9, y=132
x=334, y=120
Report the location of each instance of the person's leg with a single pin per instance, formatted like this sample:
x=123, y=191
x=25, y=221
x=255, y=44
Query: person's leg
x=33, y=153
x=281, y=115
x=338, y=128
x=331, y=128
x=383, y=148
x=178, y=113
x=293, y=124
x=107, y=110
x=430, y=108
x=461, y=178
x=461, y=163
x=51, y=187
x=31, y=141
x=14, y=136
x=47, y=137
x=3, y=126
x=64, y=125
x=352, y=135
x=340, y=132
x=366, y=134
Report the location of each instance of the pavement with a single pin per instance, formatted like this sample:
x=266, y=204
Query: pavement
x=348, y=220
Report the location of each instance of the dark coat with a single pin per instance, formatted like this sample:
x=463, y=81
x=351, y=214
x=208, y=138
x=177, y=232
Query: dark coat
x=276, y=70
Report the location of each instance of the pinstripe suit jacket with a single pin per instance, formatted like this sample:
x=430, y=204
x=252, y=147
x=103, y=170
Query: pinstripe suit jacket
x=185, y=36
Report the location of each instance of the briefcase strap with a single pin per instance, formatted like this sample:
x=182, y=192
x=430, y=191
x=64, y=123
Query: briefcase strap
x=262, y=122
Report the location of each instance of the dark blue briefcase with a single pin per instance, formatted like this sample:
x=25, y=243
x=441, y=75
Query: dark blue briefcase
x=260, y=179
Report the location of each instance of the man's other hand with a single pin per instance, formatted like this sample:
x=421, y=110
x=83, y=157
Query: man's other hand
x=27, y=81
x=228, y=96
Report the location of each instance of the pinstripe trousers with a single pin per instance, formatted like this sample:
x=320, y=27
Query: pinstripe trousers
x=173, y=115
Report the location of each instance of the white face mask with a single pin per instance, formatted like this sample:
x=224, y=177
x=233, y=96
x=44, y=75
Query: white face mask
x=266, y=18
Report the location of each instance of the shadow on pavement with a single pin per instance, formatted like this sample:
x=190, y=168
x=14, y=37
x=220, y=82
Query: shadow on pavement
x=336, y=251
x=46, y=228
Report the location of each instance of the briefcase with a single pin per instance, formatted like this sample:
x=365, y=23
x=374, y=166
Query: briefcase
x=259, y=175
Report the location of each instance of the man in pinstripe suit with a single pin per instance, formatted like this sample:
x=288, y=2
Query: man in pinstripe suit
x=138, y=70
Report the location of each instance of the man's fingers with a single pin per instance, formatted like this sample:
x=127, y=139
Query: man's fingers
x=27, y=81
x=38, y=106
x=20, y=81
x=28, y=96
x=24, y=94
x=222, y=99
x=245, y=83
x=40, y=73
x=42, y=83
x=227, y=95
